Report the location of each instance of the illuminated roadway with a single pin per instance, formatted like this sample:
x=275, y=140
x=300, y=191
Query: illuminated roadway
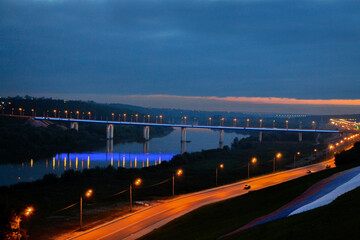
x=186, y=125
x=144, y=221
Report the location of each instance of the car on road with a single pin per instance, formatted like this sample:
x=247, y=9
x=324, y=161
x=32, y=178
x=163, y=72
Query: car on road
x=308, y=171
x=247, y=186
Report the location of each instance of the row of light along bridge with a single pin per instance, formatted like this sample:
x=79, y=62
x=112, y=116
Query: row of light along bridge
x=74, y=124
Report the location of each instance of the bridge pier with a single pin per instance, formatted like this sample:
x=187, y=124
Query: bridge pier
x=183, y=147
x=183, y=134
x=109, y=146
x=146, y=133
x=221, y=137
x=260, y=136
x=109, y=131
x=146, y=147
x=300, y=137
x=74, y=125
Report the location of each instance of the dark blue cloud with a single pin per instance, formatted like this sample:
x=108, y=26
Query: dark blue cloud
x=302, y=49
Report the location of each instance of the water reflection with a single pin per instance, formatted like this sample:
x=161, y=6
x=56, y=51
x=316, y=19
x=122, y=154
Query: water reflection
x=125, y=155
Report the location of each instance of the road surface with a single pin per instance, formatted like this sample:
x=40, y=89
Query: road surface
x=144, y=221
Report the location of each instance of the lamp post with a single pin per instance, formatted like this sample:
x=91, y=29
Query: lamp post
x=124, y=117
x=234, y=124
x=287, y=124
x=278, y=156
x=253, y=160
x=247, y=122
x=136, y=117
x=88, y=194
x=216, y=173
x=298, y=153
x=77, y=114
x=55, y=113
x=185, y=119
x=161, y=118
x=137, y=183
x=89, y=113
x=210, y=121
x=66, y=113
x=178, y=173
x=273, y=123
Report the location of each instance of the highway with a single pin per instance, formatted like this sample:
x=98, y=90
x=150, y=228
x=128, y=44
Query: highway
x=144, y=221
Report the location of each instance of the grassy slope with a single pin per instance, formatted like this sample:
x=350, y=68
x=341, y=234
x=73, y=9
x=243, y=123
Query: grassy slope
x=214, y=220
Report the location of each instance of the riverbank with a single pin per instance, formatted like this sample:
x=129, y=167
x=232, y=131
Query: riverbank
x=198, y=173
x=24, y=138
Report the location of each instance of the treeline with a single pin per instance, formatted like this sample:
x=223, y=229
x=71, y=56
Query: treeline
x=48, y=107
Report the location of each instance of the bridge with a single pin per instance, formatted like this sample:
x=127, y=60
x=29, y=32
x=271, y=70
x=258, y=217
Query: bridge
x=74, y=124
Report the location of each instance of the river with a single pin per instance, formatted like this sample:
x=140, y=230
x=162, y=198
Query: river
x=128, y=155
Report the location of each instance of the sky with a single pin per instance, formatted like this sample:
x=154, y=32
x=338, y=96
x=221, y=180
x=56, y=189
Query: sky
x=234, y=55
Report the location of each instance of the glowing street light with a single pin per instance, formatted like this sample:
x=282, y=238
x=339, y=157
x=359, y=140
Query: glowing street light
x=55, y=113
x=66, y=113
x=253, y=161
x=136, y=117
x=287, y=124
x=221, y=166
x=89, y=113
x=88, y=194
x=113, y=114
x=137, y=183
x=247, y=122
x=148, y=118
x=278, y=156
x=179, y=172
x=273, y=123
x=210, y=121
x=313, y=124
x=124, y=117
x=28, y=211
x=185, y=119
x=161, y=118
x=296, y=154
x=260, y=123
x=234, y=124
x=331, y=147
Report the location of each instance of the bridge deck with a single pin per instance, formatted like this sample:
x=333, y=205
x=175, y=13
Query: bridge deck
x=187, y=125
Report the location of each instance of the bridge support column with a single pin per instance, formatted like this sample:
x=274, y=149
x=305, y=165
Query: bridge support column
x=109, y=146
x=300, y=137
x=183, y=134
x=260, y=136
x=146, y=147
x=74, y=125
x=183, y=147
x=109, y=131
x=146, y=133
x=221, y=139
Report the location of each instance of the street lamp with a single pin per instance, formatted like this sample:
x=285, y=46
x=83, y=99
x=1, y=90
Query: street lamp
x=261, y=123
x=137, y=183
x=161, y=118
x=136, y=117
x=216, y=173
x=210, y=121
x=89, y=113
x=88, y=194
x=148, y=118
x=77, y=114
x=54, y=113
x=178, y=173
x=28, y=211
x=124, y=117
x=313, y=124
x=185, y=119
x=278, y=156
x=247, y=122
x=287, y=124
x=273, y=123
x=66, y=113
x=253, y=160
x=298, y=153
x=234, y=124
x=113, y=114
